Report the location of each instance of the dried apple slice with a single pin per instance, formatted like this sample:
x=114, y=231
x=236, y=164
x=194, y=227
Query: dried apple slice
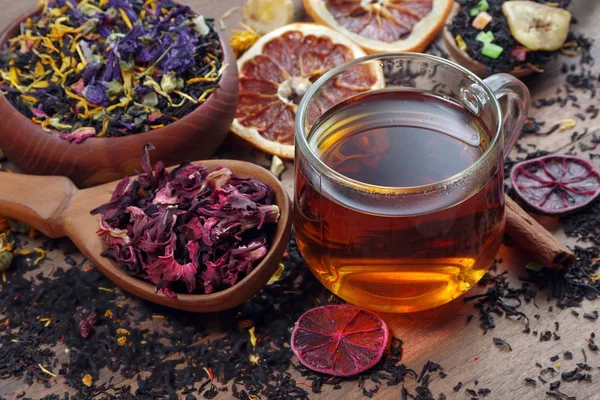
x=265, y=15
x=537, y=26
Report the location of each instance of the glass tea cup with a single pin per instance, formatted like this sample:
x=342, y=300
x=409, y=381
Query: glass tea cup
x=399, y=190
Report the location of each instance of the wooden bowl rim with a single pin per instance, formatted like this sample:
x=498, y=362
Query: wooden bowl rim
x=221, y=300
x=94, y=141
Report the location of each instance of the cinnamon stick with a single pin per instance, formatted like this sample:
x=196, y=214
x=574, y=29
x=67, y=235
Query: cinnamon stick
x=532, y=236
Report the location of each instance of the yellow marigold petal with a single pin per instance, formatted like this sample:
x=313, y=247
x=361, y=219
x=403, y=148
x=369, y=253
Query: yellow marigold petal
x=254, y=358
x=242, y=40
x=87, y=380
x=123, y=332
x=125, y=18
x=277, y=275
x=39, y=68
x=42, y=255
x=40, y=85
x=460, y=42
x=252, y=336
x=44, y=370
x=30, y=99
x=105, y=122
x=14, y=74
x=186, y=96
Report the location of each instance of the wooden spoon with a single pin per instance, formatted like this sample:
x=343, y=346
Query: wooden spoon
x=55, y=207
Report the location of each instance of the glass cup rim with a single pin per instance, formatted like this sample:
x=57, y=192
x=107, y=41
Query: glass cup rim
x=316, y=163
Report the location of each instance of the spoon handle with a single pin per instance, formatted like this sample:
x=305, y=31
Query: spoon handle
x=36, y=200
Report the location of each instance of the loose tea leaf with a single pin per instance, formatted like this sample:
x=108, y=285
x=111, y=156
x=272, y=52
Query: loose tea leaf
x=584, y=224
x=502, y=342
x=110, y=68
x=556, y=184
x=205, y=229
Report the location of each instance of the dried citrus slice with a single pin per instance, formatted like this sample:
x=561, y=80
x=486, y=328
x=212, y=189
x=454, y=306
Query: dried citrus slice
x=383, y=25
x=556, y=185
x=276, y=72
x=340, y=340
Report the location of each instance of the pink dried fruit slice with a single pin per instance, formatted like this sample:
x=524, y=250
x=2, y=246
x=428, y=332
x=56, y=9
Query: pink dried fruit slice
x=340, y=340
x=555, y=185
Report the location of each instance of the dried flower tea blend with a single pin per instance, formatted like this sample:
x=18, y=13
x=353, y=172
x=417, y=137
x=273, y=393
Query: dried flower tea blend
x=556, y=184
x=501, y=36
x=110, y=68
x=206, y=230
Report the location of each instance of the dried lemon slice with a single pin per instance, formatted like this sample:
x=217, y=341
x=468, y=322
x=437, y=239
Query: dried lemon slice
x=266, y=15
x=537, y=26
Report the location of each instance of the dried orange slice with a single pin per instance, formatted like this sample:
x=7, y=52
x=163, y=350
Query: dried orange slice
x=380, y=26
x=276, y=72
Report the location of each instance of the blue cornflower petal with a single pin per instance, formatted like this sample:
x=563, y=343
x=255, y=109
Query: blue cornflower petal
x=95, y=94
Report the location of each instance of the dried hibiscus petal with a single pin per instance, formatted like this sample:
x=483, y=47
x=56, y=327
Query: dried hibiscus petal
x=188, y=229
x=87, y=325
x=556, y=184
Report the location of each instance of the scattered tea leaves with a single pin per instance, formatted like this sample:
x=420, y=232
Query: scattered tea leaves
x=502, y=342
x=591, y=316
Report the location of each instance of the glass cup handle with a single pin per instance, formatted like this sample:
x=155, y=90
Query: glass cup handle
x=516, y=108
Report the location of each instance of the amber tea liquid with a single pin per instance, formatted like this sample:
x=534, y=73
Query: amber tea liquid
x=392, y=259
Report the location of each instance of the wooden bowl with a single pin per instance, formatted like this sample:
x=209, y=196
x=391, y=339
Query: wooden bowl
x=462, y=57
x=100, y=160
x=54, y=206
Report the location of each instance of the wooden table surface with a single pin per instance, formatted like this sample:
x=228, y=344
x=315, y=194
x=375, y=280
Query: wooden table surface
x=443, y=335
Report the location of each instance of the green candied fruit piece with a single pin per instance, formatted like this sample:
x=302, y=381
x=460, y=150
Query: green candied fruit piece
x=485, y=37
x=481, y=6
x=491, y=50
